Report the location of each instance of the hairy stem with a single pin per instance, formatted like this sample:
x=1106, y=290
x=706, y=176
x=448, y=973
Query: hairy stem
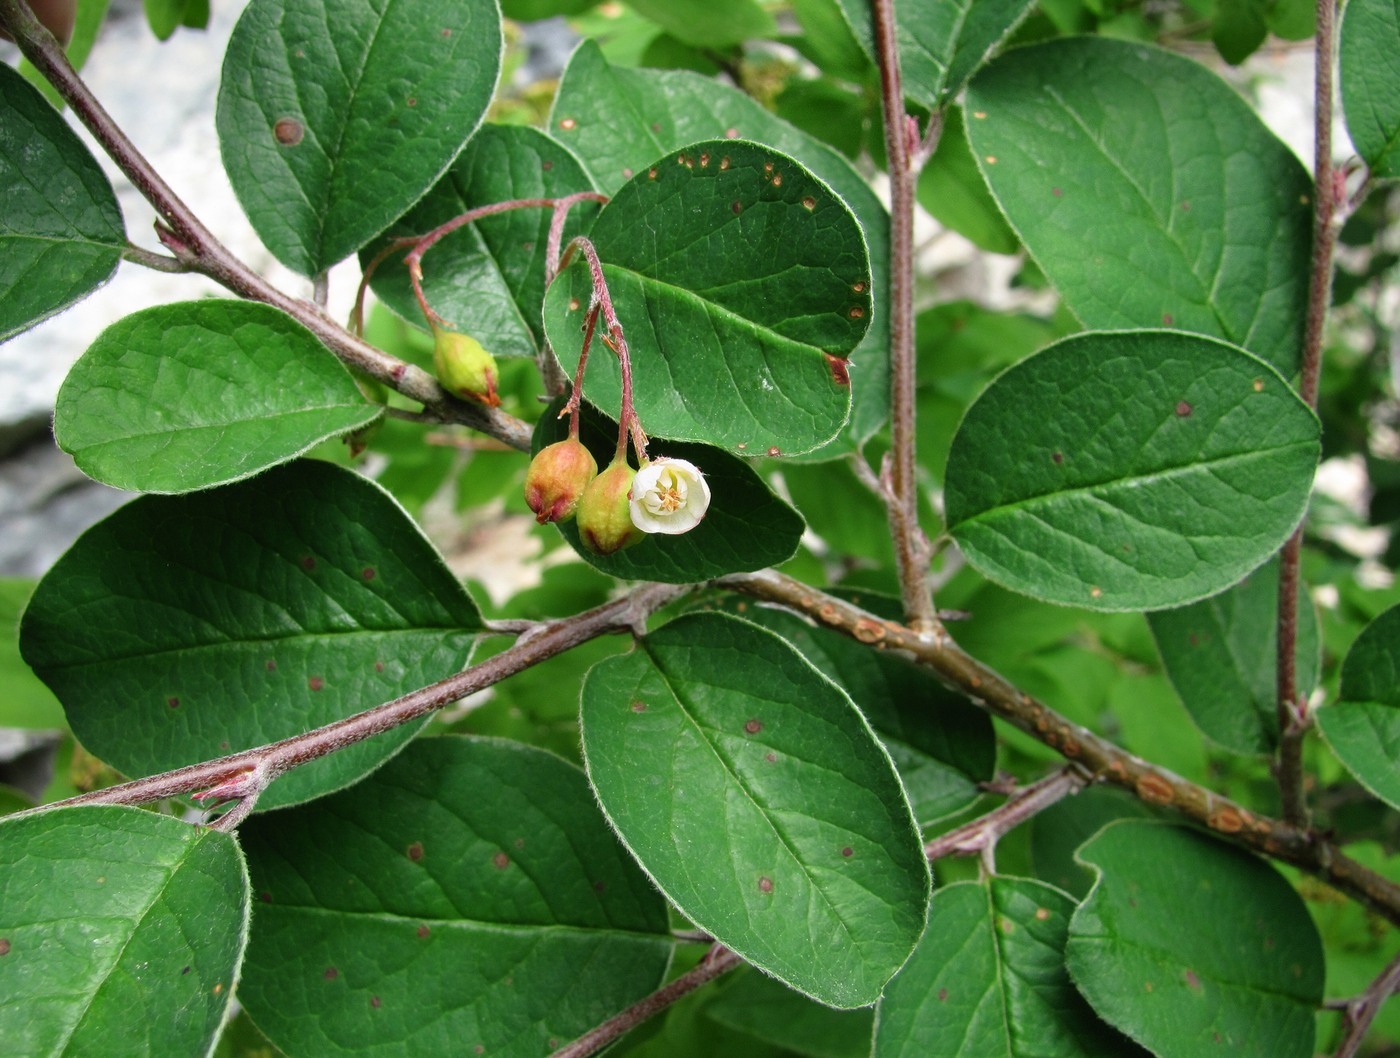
x=248, y=772
x=1097, y=756
x=718, y=960
x=197, y=249
x=1292, y=716
x=911, y=548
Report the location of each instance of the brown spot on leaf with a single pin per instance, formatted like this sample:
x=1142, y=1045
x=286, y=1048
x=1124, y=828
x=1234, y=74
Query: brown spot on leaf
x=848, y=852
x=331, y=973
x=856, y=312
x=1183, y=409
x=573, y=304
x=218, y=988
x=500, y=861
x=307, y=563
x=368, y=573
x=1192, y=981
x=1057, y=457
x=1042, y=914
x=547, y=166
x=704, y=159
x=185, y=969
x=173, y=702
x=379, y=666
x=568, y=124
x=770, y=757
x=1095, y=592
x=412, y=101
x=639, y=707
x=1056, y=192
x=1186, y=207
x=809, y=202
x=374, y=1001
x=656, y=126
x=724, y=162
x=4, y=945
x=288, y=131
x=265, y=897
x=316, y=683
x=943, y=995
x=839, y=372
x=271, y=665
x=858, y=287
x=1147, y=986
x=651, y=173
x=731, y=134
x=774, y=452
x=422, y=931
x=753, y=727
x=991, y=159
x=415, y=851
x=777, y=179
x=1258, y=385
x=737, y=207
x=1167, y=319
x=765, y=885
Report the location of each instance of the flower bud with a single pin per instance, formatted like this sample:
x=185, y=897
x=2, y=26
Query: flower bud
x=669, y=496
x=556, y=480
x=464, y=368
x=604, y=522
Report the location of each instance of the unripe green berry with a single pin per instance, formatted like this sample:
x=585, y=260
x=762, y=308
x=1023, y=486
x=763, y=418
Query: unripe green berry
x=604, y=518
x=464, y=368
x=556, y=480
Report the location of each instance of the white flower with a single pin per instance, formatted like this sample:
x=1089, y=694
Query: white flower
x=668, y=496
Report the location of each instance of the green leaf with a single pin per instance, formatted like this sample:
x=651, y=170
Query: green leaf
x=1148, y=191
x=742, y=283
x=488, y=278
x=60, y=236
x=988, y=978
x=1220, y=655
x=24, y=700
x=708, y=23
x=1363, y=727
x=1245, y=978
x=1057, y=832
x=760, y=802
x=941, y=42
x=183, y=628
x=620, y=121
x=942, y=745
x=201, y=393
x=335, y=117
x=746, y=527
x=468, y=895
x=1239, y=28
x=1370, y=68
x=768, y=1010
x=121, y=930
x=1130, y=470
x=951, y=188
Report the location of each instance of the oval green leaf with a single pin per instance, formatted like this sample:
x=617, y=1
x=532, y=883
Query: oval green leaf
x=183, y=628
x=742, y=283
x=1221, y=657
x=487, y=278
x=334, y=117
x=989, y=978
x=201, y=393
x=468, y=898
x=1246, y=979
x=941, y=42
x=24, y=700
x=618, y=121
x=1130, y=470
x=1370, y=66
x=941, y=744
x=760, y=802
x=61, y=234
x=1148, y=191
x=746, y=527
x=117, y=925
x=765, y=1009
x=1363, y=727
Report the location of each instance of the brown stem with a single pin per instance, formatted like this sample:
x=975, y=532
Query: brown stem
x=1292, y=719
x=1362, y=1010
x=718, y=960
x=195, y=246
x=1097, y=756
x=982, y=834
x=247, y=772
x=628, y=422
x=911, y=548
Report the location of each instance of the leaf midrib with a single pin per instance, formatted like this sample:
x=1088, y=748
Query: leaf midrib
x=1096, y=488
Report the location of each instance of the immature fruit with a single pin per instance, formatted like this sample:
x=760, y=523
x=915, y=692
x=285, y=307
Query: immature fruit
x=464, y=368
x=604, y=520
x=556, y=480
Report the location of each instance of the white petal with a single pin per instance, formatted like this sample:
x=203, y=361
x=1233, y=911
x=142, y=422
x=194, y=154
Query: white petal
x=668, y=496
